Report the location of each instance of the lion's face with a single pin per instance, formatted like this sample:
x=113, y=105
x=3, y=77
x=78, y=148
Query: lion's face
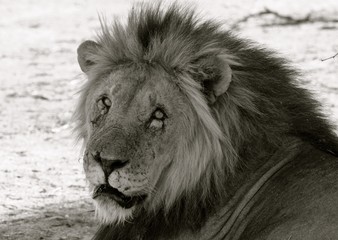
x=134, y=123
x=148, y=116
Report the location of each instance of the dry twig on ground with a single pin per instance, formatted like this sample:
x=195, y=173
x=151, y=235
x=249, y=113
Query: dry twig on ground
x=286, y=20
x=332, y=57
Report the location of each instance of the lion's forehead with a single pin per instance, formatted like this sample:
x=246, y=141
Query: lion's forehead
x=130, y=88
x=122, y=87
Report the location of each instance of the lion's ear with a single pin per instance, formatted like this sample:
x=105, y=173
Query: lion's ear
x=216, y=78
x=84, y=53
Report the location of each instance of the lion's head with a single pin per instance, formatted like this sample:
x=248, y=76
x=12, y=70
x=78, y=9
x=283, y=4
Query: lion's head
x=174, y=113
x=149, y=132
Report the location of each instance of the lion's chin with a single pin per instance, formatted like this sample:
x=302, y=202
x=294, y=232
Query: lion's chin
x=108, y=211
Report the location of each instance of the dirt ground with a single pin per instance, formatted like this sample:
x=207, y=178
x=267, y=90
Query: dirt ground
x=42, y=185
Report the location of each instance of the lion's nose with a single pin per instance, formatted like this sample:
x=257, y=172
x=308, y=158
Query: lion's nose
x=109, y=165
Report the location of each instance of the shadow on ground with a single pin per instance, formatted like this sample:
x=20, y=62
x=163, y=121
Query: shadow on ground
x=69, y=221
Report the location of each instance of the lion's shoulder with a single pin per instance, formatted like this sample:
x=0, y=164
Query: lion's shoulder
x=301, y=201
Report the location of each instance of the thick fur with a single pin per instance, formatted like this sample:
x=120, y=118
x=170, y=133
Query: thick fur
x=232, y=137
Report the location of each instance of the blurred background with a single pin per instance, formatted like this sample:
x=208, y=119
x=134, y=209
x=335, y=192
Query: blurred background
x=42, y=187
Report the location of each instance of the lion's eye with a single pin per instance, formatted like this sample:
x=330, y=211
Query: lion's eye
x=157, y=119
x=103, y=104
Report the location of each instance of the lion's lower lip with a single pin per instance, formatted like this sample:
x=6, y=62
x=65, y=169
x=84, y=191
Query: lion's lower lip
x=114, y=194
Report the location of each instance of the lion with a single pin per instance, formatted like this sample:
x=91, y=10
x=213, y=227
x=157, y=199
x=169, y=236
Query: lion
x=191, y=132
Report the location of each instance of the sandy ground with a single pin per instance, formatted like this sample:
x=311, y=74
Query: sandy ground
x=42, y=186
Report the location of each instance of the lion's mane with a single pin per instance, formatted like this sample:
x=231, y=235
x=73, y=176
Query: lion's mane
x=262, y=107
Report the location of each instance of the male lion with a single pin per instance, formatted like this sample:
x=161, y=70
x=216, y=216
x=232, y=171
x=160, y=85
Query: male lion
x=193, y=133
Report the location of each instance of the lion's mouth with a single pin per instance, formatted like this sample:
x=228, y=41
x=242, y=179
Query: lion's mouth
x=114, y=194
